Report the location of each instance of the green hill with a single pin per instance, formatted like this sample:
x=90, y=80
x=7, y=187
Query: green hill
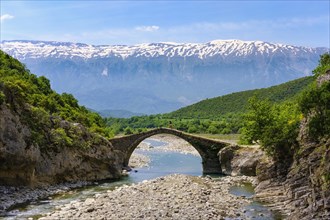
x=237, y=102
x=220, y=115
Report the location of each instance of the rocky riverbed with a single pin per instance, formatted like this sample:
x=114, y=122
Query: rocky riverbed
x=171, y=197
x=139, y=160
x=12, y=196
x=173, y=144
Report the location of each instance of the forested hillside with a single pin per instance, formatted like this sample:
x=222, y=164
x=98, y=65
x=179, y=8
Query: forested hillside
x=220, y=115
x=237, y=102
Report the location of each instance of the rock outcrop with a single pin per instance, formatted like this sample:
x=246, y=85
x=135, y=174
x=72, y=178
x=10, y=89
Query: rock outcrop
x=303, y=191
x=236, y=160
x=25, y=162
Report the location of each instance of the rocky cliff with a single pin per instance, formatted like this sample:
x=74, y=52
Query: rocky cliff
x=302, y=191
x=47, y=138
x=23, y=162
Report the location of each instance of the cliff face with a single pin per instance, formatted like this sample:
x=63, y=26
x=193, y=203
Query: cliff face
x=303, y=192
x=24, y=162
x=40, y=141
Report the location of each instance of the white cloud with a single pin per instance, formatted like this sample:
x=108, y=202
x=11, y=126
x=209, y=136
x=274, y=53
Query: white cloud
x=183, y=100
x=147, y=28
x=6, y=17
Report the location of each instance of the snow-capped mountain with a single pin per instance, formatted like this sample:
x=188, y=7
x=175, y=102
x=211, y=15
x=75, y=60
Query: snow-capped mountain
x=224, y=48
x=160, y=77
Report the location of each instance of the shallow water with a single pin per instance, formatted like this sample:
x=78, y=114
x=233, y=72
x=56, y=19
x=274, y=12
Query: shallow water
x=161, y=164
x=255, y=210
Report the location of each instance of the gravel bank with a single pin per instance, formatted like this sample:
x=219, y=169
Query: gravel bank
x=172, y=197
x=174, y=144
x=12, y=196
x=138, y=160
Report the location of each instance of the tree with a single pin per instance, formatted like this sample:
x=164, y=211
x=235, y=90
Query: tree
x=315, y=104
x=128, y=131
x=324, y=65
x=258, y=117
x=274, y=127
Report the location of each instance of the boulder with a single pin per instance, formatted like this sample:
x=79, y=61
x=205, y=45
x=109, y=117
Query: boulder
x=237, y=160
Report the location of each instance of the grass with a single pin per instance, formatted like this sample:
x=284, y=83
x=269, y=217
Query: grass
x=227, y=137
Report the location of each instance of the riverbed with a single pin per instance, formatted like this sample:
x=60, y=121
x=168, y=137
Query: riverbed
x=140, y=191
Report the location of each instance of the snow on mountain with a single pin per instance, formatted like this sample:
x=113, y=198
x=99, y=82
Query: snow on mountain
x=161, y=77
x=237, y=48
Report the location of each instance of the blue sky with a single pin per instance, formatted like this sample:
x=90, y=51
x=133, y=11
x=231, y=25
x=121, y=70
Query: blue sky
x=302, y=23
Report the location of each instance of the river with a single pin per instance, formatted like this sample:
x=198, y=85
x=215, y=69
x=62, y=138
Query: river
x=162, y=163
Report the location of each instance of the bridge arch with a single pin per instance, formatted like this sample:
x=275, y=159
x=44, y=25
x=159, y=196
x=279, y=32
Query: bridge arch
x=208, y=149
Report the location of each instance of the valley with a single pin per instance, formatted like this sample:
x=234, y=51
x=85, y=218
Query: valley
x=48, y=139
x=165, y=110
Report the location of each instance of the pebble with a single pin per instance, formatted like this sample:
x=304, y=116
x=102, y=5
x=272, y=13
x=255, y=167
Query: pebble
x=171, y=197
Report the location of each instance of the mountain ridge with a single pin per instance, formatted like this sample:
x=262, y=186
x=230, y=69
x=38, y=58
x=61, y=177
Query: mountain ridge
x=168, y=49
x=161, y=77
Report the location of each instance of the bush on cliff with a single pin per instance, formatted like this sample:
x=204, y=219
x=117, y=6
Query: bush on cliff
x=2, y=97
x=41, y=108
x=276, y=126
x=316, y=104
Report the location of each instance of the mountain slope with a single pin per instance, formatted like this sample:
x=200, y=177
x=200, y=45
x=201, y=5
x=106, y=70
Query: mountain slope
x=118, y=113
x=220, y=115
x=237, y=102
x=161, y=77
x=45, y=137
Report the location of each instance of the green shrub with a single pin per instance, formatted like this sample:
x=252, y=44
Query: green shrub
x=324, y=65
x=315, y=104
x=60, y=138
x=2, y=97
x=128, y=131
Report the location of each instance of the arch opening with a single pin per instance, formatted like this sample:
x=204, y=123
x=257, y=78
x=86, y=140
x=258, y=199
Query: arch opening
x=166, y=154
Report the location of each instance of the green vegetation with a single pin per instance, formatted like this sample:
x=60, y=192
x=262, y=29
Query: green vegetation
x=268, y=116
x=41, y=108
x=221, y=115
x=238, y=102
x=276, y=125
x=324, y=65
x=315, y=103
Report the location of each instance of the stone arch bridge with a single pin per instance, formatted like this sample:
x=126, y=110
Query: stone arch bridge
x=207, y=148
